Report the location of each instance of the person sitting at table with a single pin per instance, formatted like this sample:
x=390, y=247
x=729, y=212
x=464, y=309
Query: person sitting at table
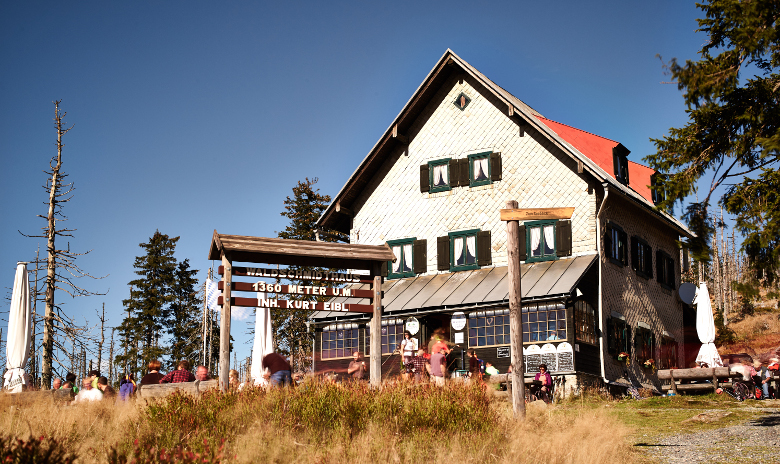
x=545, y=378
x=553, y=335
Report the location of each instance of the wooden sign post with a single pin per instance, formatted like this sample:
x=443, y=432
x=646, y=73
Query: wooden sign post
x=327, y=255
x=515, y=321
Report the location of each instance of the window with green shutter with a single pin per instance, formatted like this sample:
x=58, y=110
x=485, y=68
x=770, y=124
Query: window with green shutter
x=410, y=258
x=439, y=172
x=540, y=240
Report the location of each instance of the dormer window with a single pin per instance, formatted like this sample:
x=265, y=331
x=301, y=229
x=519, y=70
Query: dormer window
x=657, y=188
x=620, y=160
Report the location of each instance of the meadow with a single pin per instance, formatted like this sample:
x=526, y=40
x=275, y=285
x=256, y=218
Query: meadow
x=317, y=422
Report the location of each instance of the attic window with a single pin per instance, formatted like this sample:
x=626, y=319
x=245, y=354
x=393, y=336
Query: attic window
x=462, y=101
x=620, y=160
x=657, y=188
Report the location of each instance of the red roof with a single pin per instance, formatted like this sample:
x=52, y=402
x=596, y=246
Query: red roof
x=599, y=150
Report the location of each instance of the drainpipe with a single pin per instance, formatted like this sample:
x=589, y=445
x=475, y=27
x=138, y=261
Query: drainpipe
x=601, y=276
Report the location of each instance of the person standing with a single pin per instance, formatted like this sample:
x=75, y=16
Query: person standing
x=357, y=367
x=419, y=362
x=154, y=376
x=438, y=368
x=127, y=386
x=278, y=370
x=474, y=368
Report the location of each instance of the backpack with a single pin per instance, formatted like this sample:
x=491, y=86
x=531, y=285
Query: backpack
x=481, y=366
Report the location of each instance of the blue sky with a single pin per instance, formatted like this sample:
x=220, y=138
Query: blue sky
x=193, y=116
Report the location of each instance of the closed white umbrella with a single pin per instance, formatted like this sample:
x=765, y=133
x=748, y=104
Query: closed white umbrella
x=19, y=330
x=263, y=342
x=705, y=327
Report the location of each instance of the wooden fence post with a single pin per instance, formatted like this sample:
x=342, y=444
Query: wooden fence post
x=224, y=329
x=515, y=324
x=376, y=328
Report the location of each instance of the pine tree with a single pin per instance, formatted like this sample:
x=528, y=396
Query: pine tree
x=289, y=326
x=733, y=133
x=148, y=307
x=185, y=310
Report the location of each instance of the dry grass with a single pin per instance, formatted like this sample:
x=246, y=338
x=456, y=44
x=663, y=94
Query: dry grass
x=86, y=429
x=568, y=434
x=756, y=334
x=587, y=437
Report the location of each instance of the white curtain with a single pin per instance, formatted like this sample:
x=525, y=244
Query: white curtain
x=536, y=235
x=398, y=259
x=480, y=168
x=549, y=237
x=19, y=330
x=705, y=328
x=471, y=246
x=263, y=344
x=407, y=257
x=440, y=175
x=459, y=259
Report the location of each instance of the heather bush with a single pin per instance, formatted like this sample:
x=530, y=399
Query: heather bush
x=33, y=451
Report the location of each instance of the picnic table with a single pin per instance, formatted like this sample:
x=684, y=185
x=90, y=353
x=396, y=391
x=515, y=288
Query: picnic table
x=696, y=379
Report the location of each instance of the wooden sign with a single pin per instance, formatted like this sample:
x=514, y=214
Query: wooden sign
x=297, y=289
x=274, y=303
x=534, y=214
x=295, y=274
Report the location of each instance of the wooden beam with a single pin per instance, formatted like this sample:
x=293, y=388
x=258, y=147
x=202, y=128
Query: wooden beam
x=511, y=110
x=515, y=326
x=301, y=290
x=579, y=167
x=375, y=363
x=290, y=304
x=344, y=210
x=224, y=328
x=399, y=137
x=534, y=214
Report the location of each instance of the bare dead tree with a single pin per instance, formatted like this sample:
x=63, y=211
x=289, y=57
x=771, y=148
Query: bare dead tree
x=111, y=358
x=61, y=268
x=102, y=318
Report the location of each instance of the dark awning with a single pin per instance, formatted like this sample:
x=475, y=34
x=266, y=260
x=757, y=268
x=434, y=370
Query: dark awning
x=480, y=287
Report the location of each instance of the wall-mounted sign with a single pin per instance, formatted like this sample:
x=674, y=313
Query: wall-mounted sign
x=413, y=325
x=459, y=337
x=533, y=214
x=502, y=352
x=458, y=321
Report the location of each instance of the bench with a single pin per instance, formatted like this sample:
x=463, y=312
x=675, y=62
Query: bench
x=705, y=379
x=27, y=397
x=196, y=388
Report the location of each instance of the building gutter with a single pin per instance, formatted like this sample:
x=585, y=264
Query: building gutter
x=601, y=280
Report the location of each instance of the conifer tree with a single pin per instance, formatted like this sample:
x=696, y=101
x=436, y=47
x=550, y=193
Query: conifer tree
x=733, y=134
x=303, y=209
x=148, y=307
x=185, y=311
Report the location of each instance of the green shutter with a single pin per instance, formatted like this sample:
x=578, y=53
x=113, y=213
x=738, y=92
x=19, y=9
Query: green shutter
x=424, y=178
x=523, y=250
x=495, y=167
x=483, y=249
x=420, y=256
x=383, y=271
x=563, y=238
x=443, y=253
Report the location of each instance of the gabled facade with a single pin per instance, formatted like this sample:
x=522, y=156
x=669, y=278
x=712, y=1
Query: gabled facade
x=596, y=284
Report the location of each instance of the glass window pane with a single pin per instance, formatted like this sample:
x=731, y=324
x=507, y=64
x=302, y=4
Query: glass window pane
x=490, y=340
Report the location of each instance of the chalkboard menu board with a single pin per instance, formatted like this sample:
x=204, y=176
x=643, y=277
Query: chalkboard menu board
x=565, y=357
x=549, y=356
x=531, y=359
x=502, y=352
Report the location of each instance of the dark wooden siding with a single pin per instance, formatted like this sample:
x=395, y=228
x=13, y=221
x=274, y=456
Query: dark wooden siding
x=587, y=359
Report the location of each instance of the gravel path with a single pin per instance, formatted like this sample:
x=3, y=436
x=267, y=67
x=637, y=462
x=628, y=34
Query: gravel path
x=757, y=442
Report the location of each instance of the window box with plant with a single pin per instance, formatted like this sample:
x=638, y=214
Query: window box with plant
x=619, y=338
